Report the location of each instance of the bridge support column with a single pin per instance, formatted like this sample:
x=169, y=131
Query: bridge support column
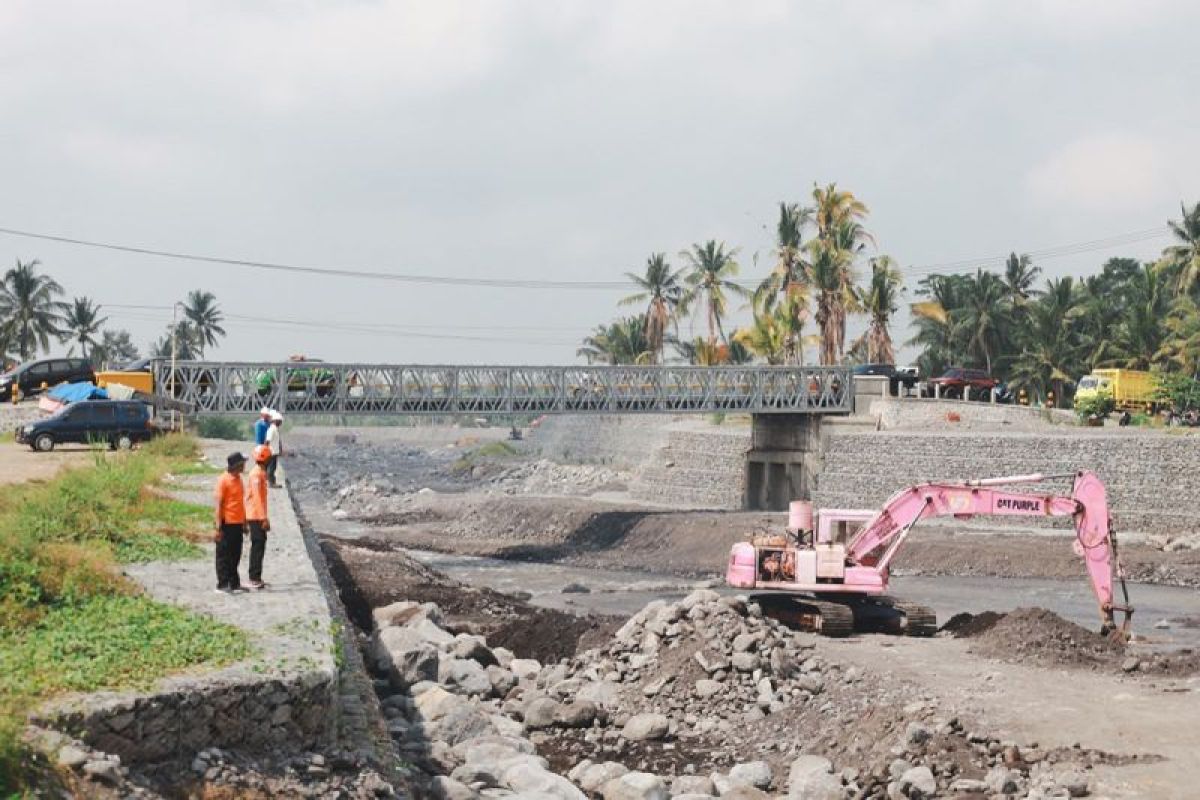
x=783, y=461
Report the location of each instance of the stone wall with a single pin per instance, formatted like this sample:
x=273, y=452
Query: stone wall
x=622, y=441
x=698, y=466
x=1151, y=477
x=926, y=413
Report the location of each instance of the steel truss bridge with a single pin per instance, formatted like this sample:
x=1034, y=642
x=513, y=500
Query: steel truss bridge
x=209, y=388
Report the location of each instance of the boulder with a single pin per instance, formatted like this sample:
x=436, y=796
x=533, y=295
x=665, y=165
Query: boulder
x=811, y=778
x=541, y=713
x=405, y=612
x=706, y=688
x=711, y=663
x=646, y=726
x=744, y=792
x=746, y=662
x=503, y=655
x=525, y=667
x=594, y=777
x=603, y=693
x=431, y=633
x=579, y=714
x=635, y=786
x=527, y=777
x=918, y=783
x=445, y=788
x=463, y=676
x=1001, y=780
x=753, y=773
x=475, y=649
x=502, y=681
x=745, y=642
x=460, y=724
x=435, y=702
x=698, y=597
x=692, y=784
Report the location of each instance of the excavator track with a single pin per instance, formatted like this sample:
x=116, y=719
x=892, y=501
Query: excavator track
x=825, y=617
x=838, y=618
x=893, y=615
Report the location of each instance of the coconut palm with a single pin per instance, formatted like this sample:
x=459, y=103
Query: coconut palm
x=1182, y=260
x=766, y=336
x=1181, y=348
x=1049, y=360
x=82, y=323
x=833, y=207
x=985, y=318
x=662, y=290
x=710, y=280
x=30, y=307
x=115, y=347
x=702, y=352
x=1019, y=277
x=831, y=267
x=790, y=270
x=620, y=342
x=202, y=311
x=186, y=346
x=1140, y=334
x=879, y=299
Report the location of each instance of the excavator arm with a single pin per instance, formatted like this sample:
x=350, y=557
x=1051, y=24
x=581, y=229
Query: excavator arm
x=877, y=543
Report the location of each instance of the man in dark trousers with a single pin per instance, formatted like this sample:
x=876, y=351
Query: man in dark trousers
x=230, y=496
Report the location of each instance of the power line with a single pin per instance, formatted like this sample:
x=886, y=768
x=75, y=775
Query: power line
x=1058, y=251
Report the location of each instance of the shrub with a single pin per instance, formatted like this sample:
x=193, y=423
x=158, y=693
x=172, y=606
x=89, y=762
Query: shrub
x=173, y=445
x=1097, y=405
x=231, y=428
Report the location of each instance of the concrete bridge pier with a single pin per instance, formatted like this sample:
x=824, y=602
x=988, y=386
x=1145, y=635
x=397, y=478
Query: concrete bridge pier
x=783, y=460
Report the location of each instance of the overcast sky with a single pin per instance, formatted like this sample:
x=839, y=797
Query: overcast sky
x=566, y=141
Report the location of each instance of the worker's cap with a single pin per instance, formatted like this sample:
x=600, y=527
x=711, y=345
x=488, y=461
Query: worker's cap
x=235, y=460
x=262, y=454
x=266, y=412
x=276, y=416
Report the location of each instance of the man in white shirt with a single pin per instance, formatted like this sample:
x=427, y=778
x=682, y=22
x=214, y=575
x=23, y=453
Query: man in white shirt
x=275, y=442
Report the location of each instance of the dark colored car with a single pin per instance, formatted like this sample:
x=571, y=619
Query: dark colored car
x=31, y=376
x=119, y=423
x=961, y=383
x=896, y=377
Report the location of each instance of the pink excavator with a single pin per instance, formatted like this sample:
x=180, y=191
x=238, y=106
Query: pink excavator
x=832, y=578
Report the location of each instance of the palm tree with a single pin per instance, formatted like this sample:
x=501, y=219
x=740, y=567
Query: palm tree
x=115, y=347
x=985, y=318
x=1140, y=333
x=712, y=269
x=767, y=334
x=879, y=300
x=1019, y=277
x=831, y=266
x=202, y=311
x=621, y=342
x=1183, y=259
x=187, y=343
x=661, y=287
x=82, y=322
x=703, y=352
x=29, y=302
x=1182, y=345
x=1049, y=359
x=788, y=283
x=833, y=207
x=932, y=317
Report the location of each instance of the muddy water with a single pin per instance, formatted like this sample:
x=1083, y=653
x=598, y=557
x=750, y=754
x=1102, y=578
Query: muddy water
x=624, y=592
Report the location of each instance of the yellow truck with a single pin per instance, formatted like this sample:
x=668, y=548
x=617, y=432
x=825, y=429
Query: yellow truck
x=1130, y=389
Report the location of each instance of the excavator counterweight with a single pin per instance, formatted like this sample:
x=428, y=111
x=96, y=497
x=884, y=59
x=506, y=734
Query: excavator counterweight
x=843, y=557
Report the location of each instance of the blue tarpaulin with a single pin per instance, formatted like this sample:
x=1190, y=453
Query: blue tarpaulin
x=76, y=392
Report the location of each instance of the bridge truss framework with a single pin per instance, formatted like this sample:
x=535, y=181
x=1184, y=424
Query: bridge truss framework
x=210, y=388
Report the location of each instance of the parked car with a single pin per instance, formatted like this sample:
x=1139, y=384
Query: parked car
x=957, y=382
x=31, y=376
x=898, y=377
x=118, y=423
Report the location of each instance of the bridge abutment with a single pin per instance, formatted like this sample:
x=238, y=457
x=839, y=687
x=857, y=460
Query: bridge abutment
x=783, y=460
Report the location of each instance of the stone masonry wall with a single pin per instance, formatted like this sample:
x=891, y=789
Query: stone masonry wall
x=621, y=441
x=696, y=468
x=1152, y=478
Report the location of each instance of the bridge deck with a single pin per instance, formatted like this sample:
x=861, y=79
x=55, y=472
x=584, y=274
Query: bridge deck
x=378, y=389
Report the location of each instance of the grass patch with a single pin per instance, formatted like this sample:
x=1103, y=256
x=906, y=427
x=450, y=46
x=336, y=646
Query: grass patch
x=496, y=449
x=235, y=429
x=69, y=621
x=197, y=468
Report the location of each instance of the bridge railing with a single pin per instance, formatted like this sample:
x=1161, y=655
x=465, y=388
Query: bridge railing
x=328, y=388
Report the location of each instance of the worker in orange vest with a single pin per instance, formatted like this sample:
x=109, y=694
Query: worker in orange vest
x=230, y=496
x=257, y=520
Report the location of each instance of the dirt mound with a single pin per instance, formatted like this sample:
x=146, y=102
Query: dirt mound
x=371, y=573
x=965, y=625
x=1039, y=636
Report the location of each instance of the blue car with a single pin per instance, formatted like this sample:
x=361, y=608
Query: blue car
x=118, y=423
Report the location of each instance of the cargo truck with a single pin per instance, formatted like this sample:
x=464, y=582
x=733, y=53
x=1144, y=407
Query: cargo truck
x=1130, y=389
